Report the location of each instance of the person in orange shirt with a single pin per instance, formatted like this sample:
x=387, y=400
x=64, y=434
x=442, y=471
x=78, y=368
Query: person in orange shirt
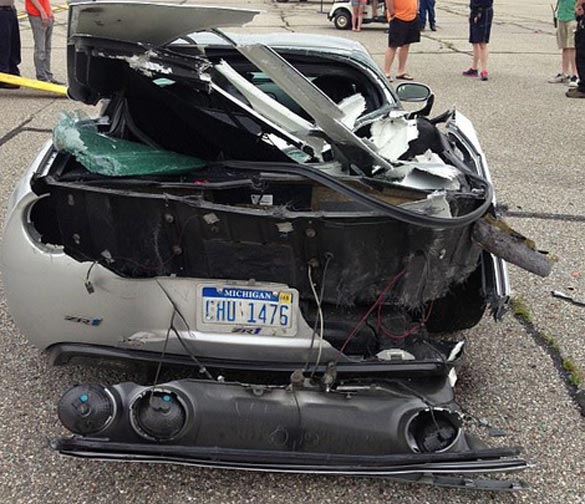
x=41, y=20
x=404, y=30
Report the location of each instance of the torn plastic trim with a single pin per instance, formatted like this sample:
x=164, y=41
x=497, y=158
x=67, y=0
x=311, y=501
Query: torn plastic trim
x=61, y=354
x=141, y=21
x=489, y=460
x=147, y=60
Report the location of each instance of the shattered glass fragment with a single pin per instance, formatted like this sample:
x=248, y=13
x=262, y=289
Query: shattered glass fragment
x=114, y=157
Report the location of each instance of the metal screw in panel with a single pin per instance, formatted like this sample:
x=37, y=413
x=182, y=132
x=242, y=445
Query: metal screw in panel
x=76, y=239
x=70, y=200
x=310, y=233
x=169, y=219
x=177, y=250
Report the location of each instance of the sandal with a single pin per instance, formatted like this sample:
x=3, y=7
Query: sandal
x=390, y=79
x=405, y=76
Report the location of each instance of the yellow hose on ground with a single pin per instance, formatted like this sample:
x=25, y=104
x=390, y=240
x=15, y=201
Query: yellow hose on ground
x=33, y=84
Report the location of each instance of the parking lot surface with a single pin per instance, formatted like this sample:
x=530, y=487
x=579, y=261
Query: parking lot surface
x=533, y=137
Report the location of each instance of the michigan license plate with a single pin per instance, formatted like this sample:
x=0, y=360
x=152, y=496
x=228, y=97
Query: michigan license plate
x=244, y=310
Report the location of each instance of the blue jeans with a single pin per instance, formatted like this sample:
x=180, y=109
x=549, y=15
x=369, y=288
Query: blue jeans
x=9, y=41
x=426, y=6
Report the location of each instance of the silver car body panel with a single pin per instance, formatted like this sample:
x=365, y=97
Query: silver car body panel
x=140, y=22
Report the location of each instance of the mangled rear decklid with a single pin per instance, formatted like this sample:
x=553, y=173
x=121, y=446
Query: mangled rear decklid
x=141, y=22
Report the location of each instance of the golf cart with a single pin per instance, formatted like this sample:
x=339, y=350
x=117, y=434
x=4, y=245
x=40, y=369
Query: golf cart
x=341, y=12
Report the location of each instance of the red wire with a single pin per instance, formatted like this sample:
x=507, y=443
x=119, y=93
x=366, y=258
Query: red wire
x=414, y=329
x=378, y=301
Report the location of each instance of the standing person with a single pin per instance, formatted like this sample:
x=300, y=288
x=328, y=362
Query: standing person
x=427, y=7
x=9, y=41
x=358, y=14
x=579, y=91
x=41, y=20
x=402, y=31
x=480, y=24
x=566, y=25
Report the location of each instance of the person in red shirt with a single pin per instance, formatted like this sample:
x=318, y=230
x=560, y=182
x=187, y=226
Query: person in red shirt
x=41, y=20
x=404, y=29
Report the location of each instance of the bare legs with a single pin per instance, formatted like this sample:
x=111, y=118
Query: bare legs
x=568, y=66
x=480, y=56
x=389, y=59
x=357, y=18
x=402, y=57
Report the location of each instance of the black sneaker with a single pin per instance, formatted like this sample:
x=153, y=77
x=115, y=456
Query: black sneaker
x=470, y=72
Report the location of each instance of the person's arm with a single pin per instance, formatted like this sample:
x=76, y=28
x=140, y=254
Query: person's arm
x=390, y=8
x=44, y=15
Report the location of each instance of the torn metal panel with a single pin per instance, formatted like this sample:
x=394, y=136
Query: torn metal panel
x=142, y=22
x=284, y=141
x=328, y=116
x=270, y=108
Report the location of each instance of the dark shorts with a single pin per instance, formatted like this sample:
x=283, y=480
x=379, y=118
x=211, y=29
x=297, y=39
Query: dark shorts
x=403, y=32
x=480, y=25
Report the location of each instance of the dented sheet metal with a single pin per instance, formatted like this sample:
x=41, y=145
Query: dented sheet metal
x=141, y=22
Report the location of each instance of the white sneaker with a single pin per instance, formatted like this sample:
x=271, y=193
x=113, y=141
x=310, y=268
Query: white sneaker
x=573, y=81
x=559, y=79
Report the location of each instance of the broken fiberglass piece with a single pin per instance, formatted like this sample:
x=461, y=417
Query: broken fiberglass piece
x=115, y=157
x=327, y=114
x=393, y=134
x=435, y=204
x=353, y=107
x=272, y=109
x=139, y=22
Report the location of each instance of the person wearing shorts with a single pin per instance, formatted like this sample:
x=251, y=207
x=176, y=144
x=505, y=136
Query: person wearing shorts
x=566, y=26
x=403, y=30
x=579, y=91
x=358, y=14
x=481, y=14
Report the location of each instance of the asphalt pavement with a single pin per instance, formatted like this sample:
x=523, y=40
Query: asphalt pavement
x=513, y=377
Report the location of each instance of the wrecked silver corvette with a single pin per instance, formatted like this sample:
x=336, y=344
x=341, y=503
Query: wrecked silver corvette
x=262, y=210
